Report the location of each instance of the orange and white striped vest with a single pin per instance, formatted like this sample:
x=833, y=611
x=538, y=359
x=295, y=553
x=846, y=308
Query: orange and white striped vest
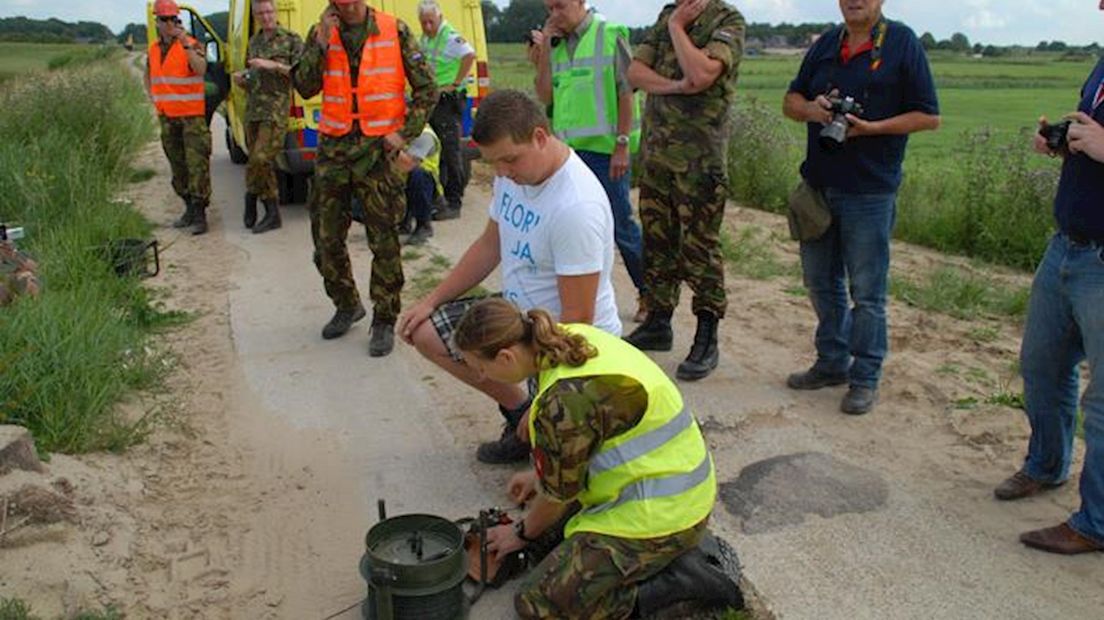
x=177, y=91
x=381, y=82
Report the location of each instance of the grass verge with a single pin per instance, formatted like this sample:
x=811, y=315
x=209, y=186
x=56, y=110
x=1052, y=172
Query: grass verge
x=71, y=355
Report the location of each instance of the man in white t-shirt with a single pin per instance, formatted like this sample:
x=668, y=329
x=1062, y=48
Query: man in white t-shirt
x=452, y=58
x=550, y=230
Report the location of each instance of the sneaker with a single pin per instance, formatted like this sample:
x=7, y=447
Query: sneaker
x=859, y=400
x=420, y=235
x=507, y=449
x=341, y=322
x=446, y=213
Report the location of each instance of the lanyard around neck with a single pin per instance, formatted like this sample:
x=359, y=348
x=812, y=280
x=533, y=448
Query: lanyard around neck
x=877, y=38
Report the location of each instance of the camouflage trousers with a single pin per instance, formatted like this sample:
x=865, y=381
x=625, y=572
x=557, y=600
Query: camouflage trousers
x=382, y=192
x=593, y=576
x=187, y=144
x=265, y=140
x=681, y=214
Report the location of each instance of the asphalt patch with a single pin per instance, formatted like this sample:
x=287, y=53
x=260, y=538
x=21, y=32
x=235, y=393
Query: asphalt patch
x=779, y=492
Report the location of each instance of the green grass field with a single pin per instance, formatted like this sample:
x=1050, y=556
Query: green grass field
x=18, y=58
x=1006, y=94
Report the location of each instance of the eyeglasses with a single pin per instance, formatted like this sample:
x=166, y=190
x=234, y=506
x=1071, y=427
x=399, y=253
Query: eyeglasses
x=167, y=19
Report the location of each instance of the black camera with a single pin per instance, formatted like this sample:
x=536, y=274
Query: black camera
x=1056, y=135
x=834, y=133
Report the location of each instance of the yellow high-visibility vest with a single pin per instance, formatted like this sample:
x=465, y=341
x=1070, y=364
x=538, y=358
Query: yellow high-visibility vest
x=653, y=480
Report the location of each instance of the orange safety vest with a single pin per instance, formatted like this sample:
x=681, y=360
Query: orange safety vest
x=177, y=90
x=381, y=83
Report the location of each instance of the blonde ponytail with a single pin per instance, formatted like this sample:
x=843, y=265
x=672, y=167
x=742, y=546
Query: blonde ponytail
x=495, y=324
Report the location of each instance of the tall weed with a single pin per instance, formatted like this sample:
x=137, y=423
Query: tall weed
x=72, y=354
x=992, y=201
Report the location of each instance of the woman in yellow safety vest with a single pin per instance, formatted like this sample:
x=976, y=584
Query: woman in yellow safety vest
x=608, y=430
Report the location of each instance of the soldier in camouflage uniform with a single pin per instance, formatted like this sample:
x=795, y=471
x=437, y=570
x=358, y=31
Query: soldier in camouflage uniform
x=620, y=557
x=272, y=51
x=185, y=135
x=358, y=165
x=687, y=63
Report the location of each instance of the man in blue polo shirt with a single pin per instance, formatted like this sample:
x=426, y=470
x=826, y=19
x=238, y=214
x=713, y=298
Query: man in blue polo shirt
x=882, y=66
x=1065, y=326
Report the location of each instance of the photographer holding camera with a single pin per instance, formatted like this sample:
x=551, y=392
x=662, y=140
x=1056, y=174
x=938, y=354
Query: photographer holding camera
x=1065, y=327
x=863, y=87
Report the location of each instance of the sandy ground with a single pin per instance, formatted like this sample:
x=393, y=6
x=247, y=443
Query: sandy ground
x=251, y=501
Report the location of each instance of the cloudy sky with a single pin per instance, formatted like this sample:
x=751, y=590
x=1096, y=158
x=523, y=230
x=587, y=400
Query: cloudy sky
x=988, y=21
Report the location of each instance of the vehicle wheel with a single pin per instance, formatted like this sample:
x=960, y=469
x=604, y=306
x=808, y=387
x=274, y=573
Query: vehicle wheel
x=237, y=153
x=299, y=187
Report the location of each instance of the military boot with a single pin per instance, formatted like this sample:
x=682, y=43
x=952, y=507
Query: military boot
x=249, y=216
x=699, y=575
x=703, y=354
x=654, y=334
x=199, y=218
x=185, y=219
x=341, y=322
x=271, y=219
x=382, y=339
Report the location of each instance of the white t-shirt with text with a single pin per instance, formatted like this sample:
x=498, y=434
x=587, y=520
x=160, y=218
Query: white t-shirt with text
x=562, y=227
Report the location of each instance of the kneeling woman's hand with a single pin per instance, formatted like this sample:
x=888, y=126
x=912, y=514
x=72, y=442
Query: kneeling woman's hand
x=522, y=486
x=502, y=539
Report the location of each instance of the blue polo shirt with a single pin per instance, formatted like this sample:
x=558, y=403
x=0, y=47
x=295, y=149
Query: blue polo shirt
x=899, y=81
x=1079, y=205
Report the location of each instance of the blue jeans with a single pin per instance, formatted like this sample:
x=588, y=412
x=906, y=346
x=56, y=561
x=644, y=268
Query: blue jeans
x=626, y=232
x=852, y=256
x=1065, y=325
x=421, y=191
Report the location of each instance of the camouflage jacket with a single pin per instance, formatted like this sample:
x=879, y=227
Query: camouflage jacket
x=270, y=91
x=355, y=148
x=681, y=130
x=18, y=274
x=573, y=418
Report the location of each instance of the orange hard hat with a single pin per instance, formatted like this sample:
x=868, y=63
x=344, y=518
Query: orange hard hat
x=165, y=8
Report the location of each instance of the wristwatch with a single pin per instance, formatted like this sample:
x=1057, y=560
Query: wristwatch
x=519, y=531
x=623, y=139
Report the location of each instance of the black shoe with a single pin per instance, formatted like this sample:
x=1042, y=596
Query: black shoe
x=249, y=216
x=185, y=219
x=271, y=219
x=508, y=449
x=382, y=339
x=199, y=219
x=703, y=353
x=654, y=334
x=446, y=213
x=341, y=322
x=814, y=379
x=859, y=400
x=707, y=575
x=420, y=235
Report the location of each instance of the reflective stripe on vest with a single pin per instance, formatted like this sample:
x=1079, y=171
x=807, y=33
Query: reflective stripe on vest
x=584, y=91
x=380, y=108
x=652, y=480
x=176, y=90
x=444, y=68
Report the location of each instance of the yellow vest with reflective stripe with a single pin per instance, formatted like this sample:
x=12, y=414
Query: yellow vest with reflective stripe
x=653, y=480
x=584, y=91
x=432, y=163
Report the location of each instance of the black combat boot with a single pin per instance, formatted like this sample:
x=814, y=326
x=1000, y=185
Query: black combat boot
x=341, y=322
x=699, y=575
x=509, y=448
x=199, y=218
x=271, y=219
x=382, y=339
x=421, y=234
x=703, y=353
x=185, y=219
x=249, y=216
x=654, y=334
